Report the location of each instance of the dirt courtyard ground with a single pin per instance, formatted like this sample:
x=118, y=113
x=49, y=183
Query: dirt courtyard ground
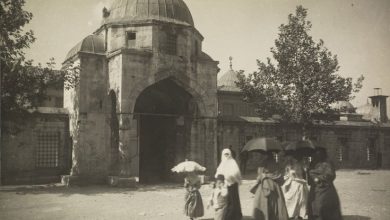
x=365, y=195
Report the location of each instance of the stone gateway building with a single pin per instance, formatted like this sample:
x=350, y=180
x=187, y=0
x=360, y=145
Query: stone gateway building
x=146, y=98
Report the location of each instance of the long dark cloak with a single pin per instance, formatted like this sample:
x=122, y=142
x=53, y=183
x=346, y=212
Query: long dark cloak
x=324, y=202
x=233, y=206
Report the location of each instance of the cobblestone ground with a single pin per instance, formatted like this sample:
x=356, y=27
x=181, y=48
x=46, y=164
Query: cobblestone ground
x=365, y=195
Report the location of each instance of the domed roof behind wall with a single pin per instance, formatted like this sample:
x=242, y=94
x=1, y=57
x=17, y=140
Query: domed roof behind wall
x=93, y=44
x=135, y=11
x=344, y=107
x=227, y=82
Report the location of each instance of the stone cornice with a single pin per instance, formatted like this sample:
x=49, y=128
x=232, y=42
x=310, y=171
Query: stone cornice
x=145, y=53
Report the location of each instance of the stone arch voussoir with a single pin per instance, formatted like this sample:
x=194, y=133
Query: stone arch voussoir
x=188, y=84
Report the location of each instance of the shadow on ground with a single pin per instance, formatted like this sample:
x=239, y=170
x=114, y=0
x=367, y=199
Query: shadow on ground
x=83, y=190
x=355, y=217
x=345, y=217
x=244, y=218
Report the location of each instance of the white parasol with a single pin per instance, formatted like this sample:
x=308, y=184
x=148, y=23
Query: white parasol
x=188, y=166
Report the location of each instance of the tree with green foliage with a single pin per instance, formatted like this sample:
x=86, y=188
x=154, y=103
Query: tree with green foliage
x=23, y=85
x=303, y=83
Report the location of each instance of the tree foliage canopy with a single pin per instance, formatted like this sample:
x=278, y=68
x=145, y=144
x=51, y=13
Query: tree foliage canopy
x=24, y=85
x=304, y=81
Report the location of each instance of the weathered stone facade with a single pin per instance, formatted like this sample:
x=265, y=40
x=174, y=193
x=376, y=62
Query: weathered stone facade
x=38, y=150
x=354, y=141
x=150, y=65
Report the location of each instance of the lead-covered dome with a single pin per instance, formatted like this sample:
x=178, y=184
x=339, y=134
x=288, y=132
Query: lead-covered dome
x=343, y=107
x=92, y=44
x=228, y=80
x=137, y=11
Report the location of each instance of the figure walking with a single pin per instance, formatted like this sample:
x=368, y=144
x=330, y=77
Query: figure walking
x=268, y=202
x=324, y=202
x=230, y=170
x=218, y=200
x=295, y=190
x=193, y=207
x=193, y=200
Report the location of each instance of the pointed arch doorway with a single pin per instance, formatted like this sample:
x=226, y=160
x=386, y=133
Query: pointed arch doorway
x=165, y=112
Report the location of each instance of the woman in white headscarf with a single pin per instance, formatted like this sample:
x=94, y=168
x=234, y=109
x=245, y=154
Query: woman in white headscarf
x=230, y=170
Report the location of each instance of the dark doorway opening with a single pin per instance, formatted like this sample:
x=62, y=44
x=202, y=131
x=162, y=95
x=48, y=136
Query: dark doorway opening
x=163, y=111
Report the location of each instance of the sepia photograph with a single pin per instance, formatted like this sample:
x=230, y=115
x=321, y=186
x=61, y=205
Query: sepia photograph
x=194, y=109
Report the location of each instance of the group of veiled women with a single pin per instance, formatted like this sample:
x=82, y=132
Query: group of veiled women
x=279, y=193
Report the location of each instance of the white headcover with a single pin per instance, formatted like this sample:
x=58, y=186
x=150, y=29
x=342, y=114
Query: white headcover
x=229, y=168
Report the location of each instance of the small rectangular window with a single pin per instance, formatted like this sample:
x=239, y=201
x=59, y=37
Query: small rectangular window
x=370, y=149
x=131, y=38
x=170, y=45
x=343, y=149
x=47, y=152
x=196, y=51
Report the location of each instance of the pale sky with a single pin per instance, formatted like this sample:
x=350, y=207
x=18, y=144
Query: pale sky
x=357, y=31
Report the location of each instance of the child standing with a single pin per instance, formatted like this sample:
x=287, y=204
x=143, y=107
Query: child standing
x=193, y=200
x=218, y=198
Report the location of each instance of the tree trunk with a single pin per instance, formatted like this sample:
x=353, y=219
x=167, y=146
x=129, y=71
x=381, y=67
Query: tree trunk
x=304, y=131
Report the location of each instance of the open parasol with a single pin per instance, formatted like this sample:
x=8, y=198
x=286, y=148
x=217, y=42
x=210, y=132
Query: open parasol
x=188, y=166
x=263, y=144
x=304, y=147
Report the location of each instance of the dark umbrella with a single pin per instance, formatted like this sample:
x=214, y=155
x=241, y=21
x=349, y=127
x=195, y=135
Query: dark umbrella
x=303, y=147
x=263, y=144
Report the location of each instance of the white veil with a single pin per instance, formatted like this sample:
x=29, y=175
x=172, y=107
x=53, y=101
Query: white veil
x=229, y=168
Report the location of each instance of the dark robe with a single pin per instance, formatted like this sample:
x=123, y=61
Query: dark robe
x=193, y=207
x=269, y=201
x=233, y=206
x=324, y=202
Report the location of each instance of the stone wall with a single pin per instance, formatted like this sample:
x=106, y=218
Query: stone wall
x=88, y=106
x=353, y=155
x=22, y=149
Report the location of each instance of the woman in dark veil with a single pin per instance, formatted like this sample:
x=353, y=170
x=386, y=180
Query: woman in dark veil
x=323, y=202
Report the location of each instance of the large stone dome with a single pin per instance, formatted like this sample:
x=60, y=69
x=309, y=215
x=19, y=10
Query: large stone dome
x=138, y=11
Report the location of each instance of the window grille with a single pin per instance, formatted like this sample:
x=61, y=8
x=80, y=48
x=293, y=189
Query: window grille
x=47, y=152
x=170, y=46
x=370, y=149
x=340, y=153
x=343, y=149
